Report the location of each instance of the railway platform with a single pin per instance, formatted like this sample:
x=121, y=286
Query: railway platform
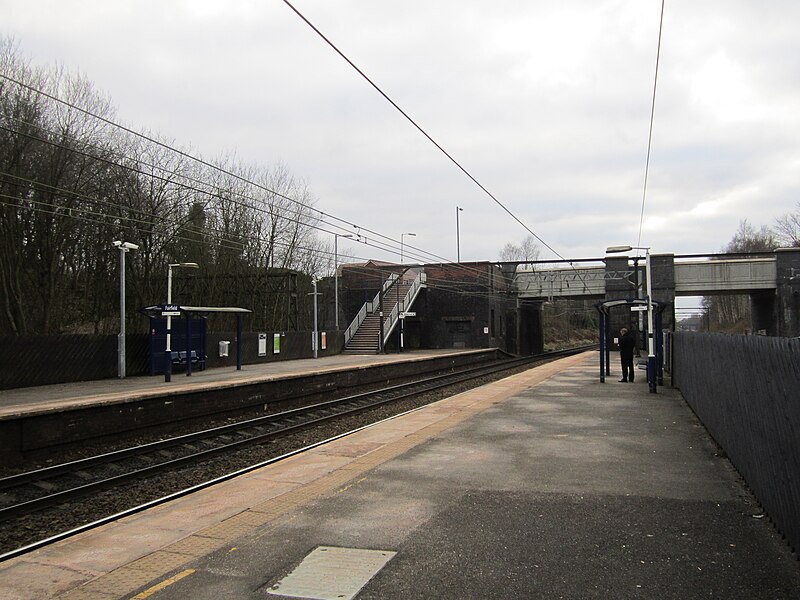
x=34, y=421
x=58, y=397
x=546, y=484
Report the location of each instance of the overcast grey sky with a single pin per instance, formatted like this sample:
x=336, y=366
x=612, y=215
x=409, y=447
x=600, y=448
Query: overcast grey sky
x=547, y=104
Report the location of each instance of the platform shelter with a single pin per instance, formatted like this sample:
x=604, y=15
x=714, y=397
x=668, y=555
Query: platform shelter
x=186, y=326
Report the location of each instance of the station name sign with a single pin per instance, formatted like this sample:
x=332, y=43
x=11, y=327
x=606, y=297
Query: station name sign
x=170, y=310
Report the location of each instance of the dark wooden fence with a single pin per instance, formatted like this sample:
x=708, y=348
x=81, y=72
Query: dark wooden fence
x=746, y=391
x=40, y=360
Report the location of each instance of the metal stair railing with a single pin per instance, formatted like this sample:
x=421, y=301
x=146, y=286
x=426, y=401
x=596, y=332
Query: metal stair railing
x=407, y=301
x=368, y=308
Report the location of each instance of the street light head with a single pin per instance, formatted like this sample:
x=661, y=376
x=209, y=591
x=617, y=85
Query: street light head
x=411, y=234
x=124, y=245
x=187, y=265
x=615, y=249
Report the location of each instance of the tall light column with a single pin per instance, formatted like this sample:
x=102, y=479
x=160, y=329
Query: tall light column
x=401, y=243
x=458, y=235
x=124, y=248
x=336, y=237
x=651, y=357
x=315, y=341
x=168, y=356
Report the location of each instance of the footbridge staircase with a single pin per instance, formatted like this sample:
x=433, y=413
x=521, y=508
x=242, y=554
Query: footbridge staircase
x=396, y=296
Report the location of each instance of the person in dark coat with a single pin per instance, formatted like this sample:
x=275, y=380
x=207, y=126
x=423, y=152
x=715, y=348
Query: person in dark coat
x=627, y=344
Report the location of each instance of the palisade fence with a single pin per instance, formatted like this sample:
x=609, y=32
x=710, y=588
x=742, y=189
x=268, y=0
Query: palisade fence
x=41, y=360
x=746, y=391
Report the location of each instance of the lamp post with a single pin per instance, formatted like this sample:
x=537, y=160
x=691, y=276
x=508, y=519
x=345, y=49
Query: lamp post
x=168, y=355
x=651, y=357
x=336, y=237
x=401, y=243
x=124, y=248
x=315, y=333
x=458, y=236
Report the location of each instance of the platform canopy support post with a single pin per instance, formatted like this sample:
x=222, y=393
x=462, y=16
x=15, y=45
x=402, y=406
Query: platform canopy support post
x=188, y=317
x=606, y=332
x=659, y=348
x=238, y=342
x=602, y=348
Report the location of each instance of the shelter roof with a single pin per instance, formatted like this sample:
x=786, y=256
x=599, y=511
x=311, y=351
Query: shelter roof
x=607, y=305
x=157, y=308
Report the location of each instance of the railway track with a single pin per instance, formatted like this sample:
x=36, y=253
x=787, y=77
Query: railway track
x=24, y=495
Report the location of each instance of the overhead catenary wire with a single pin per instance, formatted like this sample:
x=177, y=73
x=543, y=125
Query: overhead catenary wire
x=348, y=226
x=141, y=225
x=83, y=214
x=419, y=128
x=132, y=224
x=461, y=288
x=387, y=247
x=225, y=171
x=652, y=117
x=392, y=247
x=423, y=257
x=455, y=287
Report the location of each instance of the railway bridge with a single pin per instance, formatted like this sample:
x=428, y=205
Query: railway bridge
x=772, y=281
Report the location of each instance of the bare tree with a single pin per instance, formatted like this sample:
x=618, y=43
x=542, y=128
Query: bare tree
x=528, y=250
x=787, y=228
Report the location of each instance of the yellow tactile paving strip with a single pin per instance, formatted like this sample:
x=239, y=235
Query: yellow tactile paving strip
x=282, y=487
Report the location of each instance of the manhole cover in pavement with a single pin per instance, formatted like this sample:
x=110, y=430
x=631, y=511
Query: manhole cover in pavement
x=330, y=573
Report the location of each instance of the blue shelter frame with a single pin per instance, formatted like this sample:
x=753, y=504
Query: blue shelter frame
x=190, y=314
x=604, y=308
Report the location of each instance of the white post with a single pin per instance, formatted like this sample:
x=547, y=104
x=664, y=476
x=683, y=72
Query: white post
x=168, y=366
x=315, y=341
x=402, y=245
x=121, y=339
x=651, y=357
x=123, y=247
x=458, y=235
x=335, y=280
